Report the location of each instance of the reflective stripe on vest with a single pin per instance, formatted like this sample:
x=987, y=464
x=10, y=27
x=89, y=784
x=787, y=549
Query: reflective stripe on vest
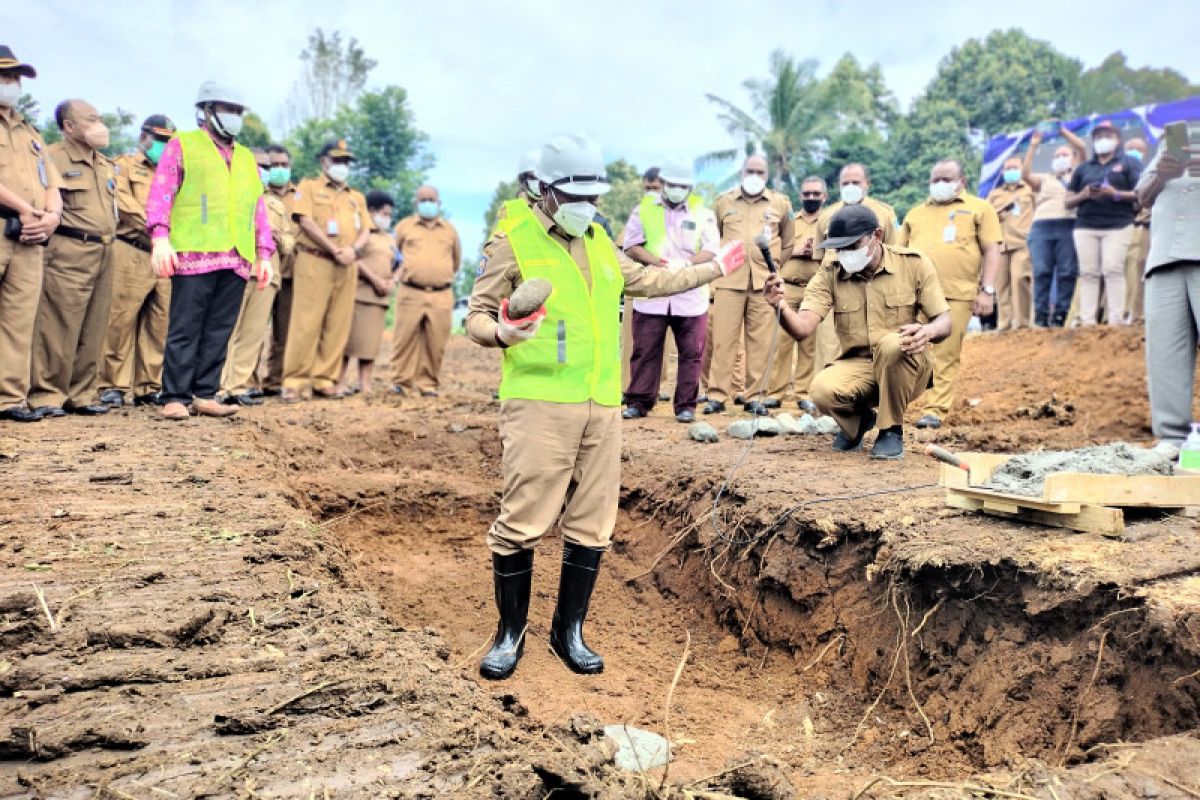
x=654, y=223
x=214, y=208
x=576, y=354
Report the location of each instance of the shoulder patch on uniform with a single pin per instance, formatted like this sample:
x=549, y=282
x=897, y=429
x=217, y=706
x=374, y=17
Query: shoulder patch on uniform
x=482, y=268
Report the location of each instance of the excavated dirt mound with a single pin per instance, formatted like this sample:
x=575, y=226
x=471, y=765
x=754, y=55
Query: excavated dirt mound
x=293, y=604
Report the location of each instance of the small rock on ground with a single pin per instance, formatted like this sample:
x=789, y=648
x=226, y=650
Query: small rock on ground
x=703, y=432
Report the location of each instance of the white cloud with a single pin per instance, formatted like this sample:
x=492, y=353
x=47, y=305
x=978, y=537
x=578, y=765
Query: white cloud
x=490, y=80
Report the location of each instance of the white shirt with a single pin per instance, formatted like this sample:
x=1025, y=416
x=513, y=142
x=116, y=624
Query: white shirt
x=1174, y=219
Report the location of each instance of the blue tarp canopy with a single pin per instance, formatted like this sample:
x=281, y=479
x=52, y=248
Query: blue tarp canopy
x=1144, y=121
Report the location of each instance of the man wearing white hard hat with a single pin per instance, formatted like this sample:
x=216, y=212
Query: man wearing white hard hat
x=210, y=232
x=669, y=231
x=560, y=391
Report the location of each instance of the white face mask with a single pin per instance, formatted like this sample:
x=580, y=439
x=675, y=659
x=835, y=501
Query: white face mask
x=575, y=218
x=9, y=94
x=382, y=221
x=941, y=191
x=676, y=194
x=1104, y=145
x=230, y=122
x=852, y=193
x=1061, y=164
x=753, y=184
x=338, y=172
x=855, y=260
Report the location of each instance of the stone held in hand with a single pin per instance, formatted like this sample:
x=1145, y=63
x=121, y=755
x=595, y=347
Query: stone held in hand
x=703, y=432
x=527, y=298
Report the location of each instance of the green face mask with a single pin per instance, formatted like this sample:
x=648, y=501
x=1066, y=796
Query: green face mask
x=155, y=150
x=279, y=176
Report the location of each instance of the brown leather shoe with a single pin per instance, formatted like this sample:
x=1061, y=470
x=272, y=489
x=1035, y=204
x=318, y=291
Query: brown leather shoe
x=176, y=412
x=212, y=408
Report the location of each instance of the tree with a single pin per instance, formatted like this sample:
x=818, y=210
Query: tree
x=1114, y=85
x=1008, y=80
x=784, y=123
x=381, y=131
x=934, y=130
x=254, y=131
x=505, y=190
x=333, y=75
x=28, y=107
x=626, y=192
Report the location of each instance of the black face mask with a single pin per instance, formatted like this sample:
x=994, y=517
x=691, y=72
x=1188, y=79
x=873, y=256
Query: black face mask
x=810, y=205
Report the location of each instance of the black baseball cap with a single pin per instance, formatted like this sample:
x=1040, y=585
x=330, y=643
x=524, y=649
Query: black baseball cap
x=9, y=61
x=848, y=225
x=159, y=125
x=336, y=148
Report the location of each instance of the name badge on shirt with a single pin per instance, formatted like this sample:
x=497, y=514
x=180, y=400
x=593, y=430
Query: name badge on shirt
x=1016, y=208
x=331, y=228
x=950, y=233
x=42, y=176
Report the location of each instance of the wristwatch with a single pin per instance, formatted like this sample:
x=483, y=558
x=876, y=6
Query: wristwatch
x=990, y=291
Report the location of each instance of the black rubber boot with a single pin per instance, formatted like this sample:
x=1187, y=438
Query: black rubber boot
x=513, y=576
x=580, y=566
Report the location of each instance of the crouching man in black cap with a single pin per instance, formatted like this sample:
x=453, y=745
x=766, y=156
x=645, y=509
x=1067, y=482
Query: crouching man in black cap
x=878, y=294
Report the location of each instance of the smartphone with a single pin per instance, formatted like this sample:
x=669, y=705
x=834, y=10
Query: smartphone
x=1175, y=135
x=1049, y=128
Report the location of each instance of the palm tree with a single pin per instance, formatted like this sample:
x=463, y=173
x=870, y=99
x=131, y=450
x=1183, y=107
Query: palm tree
x=786, y=116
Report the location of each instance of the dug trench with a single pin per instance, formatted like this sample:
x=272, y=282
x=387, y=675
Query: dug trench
x=839, y=640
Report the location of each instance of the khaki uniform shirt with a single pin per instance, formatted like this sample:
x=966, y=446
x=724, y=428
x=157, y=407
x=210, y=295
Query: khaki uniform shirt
x=1051, y=200
x=741, y=217
x=89, y=187
x=134, y=175
x=339, y=211
x=24, y=168
x=954, y=235
x=377, y=258
x=431, y=251
x=867, y=309
x=286, y=193
x=1014, y=206
x=283, y=231
x=799, y=270
x=499, y=274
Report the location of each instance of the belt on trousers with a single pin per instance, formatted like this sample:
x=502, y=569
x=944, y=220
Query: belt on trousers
x=313, y=251
x=797, y=281
x=135, y=243
x=441, y=288
x=84, y=236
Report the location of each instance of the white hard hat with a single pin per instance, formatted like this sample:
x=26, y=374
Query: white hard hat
x=678, y=170
x=213, y=92
x=574, y=164
x=529, y=162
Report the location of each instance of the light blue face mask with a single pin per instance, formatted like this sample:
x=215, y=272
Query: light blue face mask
x=428, y=209
x=1012, y=175
x=1136, y=155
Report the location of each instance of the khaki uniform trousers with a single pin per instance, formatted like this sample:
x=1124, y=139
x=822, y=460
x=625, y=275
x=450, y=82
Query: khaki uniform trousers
x=739, y=316
x=137, y=324
x=739, y=364
x=20, y=290
x=560, y=461
x=322, y=310
x=249, y=336
x=826, y=347
x=947, y=356
x=889, y=380
x=269, y=374
x=1135, y=269
x=1014, y=290
x=419, y=336
x=793, y=365
x=72, y=320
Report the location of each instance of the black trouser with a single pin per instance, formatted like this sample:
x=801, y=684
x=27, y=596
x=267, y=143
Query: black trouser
x=204, y=309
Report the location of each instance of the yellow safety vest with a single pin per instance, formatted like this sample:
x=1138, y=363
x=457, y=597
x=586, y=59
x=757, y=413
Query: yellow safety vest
x=576, y=354
x=654, y=222
x=514, y=211
x=214, y=208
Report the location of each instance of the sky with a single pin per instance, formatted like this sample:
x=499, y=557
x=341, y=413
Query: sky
x=488, y=81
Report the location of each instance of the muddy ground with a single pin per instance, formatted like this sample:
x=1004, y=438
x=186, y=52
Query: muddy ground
x=292, y=604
